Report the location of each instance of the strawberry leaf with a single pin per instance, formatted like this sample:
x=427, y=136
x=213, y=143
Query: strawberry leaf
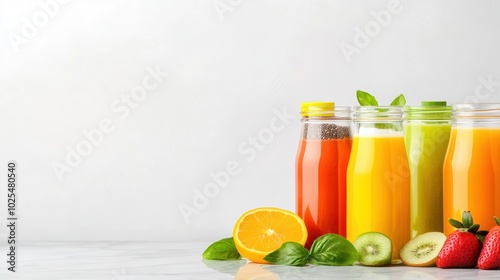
x=497, y=220
x=456, y=223
x=467, y=219
x=482, y=232
x=473, y=228
x=480, y=237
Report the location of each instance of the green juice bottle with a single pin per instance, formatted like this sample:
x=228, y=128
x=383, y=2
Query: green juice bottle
x=427, y=132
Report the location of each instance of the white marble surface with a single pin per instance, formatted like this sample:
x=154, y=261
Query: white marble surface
x=166, y=260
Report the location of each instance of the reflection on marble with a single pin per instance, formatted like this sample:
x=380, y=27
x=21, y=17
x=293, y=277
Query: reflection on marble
x=163, y=260
x=228, y=267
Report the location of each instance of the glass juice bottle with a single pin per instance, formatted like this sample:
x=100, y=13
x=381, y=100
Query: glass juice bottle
x=471, y=173
x=321, y=163
x=427, y=132
x=378, y=181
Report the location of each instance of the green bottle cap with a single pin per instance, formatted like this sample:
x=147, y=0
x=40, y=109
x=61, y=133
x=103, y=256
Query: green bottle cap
x=433, y=103
x=429, y=110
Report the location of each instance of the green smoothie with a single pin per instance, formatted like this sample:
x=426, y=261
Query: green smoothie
x=427, y=132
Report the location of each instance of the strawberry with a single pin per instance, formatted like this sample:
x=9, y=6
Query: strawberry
x=462, y=247
x=490, y=254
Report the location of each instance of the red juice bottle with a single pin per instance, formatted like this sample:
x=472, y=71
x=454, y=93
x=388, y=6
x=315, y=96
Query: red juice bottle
x=321, y=164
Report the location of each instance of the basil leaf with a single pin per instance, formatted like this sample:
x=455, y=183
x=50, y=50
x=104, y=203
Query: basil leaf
x=290, y=253
x=399, y=101
x=366, y=99
x=383, y=125
x=332, y=249
x=223, y=249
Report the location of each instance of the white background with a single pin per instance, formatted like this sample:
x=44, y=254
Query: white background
x=237, y=70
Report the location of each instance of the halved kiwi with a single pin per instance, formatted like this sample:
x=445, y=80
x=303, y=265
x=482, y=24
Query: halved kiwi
x=423, y=249
x=374, y=249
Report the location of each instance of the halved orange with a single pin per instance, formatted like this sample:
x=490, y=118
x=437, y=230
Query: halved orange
x=261, y=231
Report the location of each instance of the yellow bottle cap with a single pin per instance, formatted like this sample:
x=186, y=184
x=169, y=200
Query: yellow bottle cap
x=317, y=109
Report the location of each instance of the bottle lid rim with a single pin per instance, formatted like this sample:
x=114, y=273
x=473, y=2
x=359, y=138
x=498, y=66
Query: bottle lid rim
x=324, y=109
x=433, y=103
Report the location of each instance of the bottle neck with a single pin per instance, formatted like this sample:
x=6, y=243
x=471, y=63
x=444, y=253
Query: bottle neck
x=327, y=124
x=476, y=115
x=378, y=121
x=430, y=114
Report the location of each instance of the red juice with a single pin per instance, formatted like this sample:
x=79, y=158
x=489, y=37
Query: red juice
x=321, y=166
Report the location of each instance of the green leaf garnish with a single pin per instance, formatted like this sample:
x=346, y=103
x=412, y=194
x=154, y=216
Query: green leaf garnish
x=290, y=253
x=399, y=101
x=366, y=99
x=383, y=125
x=223, y=249
x=497, y=220
x=333, y=249
x=329, y=249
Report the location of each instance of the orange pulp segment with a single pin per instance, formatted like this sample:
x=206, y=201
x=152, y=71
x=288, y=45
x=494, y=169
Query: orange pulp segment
x=261, y=231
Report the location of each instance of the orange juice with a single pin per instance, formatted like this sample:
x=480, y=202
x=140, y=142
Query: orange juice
x=471, y=176
x=378, y=189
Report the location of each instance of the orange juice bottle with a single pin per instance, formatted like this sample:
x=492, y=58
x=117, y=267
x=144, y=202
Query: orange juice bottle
x=321, y=163
x=378, y=178
x=471, y=173
x=427, y=133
